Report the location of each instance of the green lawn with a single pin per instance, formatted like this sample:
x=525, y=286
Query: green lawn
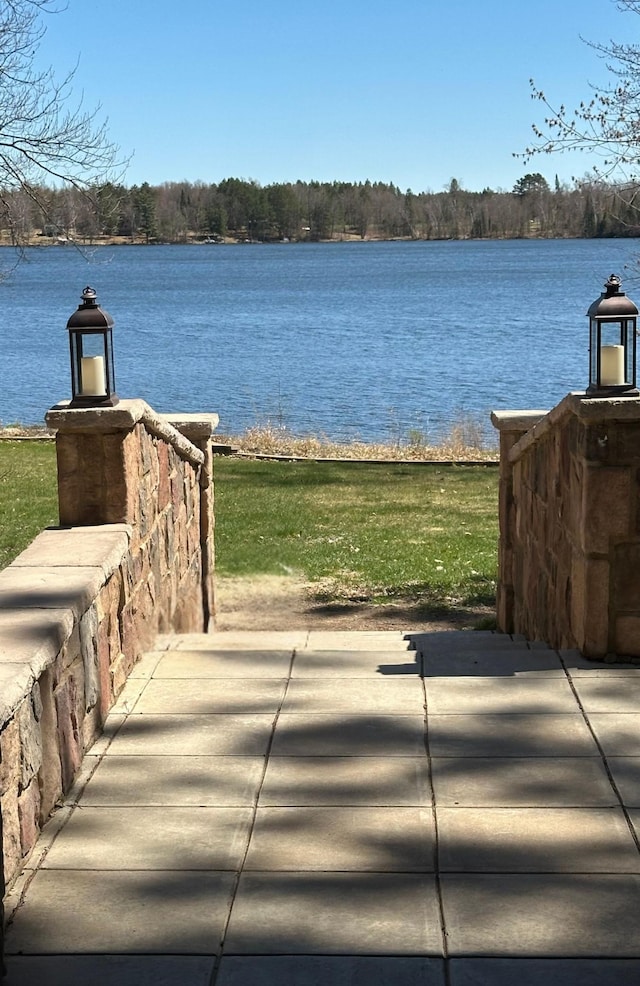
x=28, y=494
x=360, y=532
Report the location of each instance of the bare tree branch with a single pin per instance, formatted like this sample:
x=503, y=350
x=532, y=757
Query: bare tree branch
x=45, y=136
x=608, y=124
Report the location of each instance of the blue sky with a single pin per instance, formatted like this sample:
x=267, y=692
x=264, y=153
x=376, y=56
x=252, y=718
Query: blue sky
x=414, y=92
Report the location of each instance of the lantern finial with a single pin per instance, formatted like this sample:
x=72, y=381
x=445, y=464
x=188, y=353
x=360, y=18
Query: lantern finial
x=89, y=296
x=612, y=286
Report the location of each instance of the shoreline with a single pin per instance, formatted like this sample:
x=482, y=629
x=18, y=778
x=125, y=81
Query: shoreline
x=41, y=242
x=267, y=445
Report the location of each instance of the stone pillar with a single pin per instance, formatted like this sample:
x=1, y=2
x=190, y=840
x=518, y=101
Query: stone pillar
x=127, y=464
x=512, y=425
x=607, y=456
x=570, y=527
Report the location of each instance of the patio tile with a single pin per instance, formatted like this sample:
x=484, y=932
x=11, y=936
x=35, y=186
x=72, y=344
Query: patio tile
x=609, y=693
x=107, y=970
x=161, y=912
x=374, y=839
x=564, y=735
x=372, y=781
x=542, y=915
x=335, y=913
x=355, y=664
x=618, y=735
x=357, y=640
x=349, y=735
x=544, y=972
x=242, y=640
x=247, y=664
x=464, y=641
x=522, y=782
x=157, y=781
x=499, y=662
x=203, y=695
x=192, y=735
x=626, y=774
x=313, y=696
x=536, y=840
x=152, y=839
x=491, y=696
x=326, y=970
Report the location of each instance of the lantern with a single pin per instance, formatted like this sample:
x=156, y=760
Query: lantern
x=612, y=343
x=91, y=350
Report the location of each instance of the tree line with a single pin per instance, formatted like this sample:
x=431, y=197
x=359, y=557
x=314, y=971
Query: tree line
x=61, y=177
x=244, y=210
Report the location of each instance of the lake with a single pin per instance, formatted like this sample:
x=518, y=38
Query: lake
x=347, y=340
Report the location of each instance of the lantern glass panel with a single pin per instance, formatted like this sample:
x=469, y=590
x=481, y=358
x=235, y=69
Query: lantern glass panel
x=612, y=333
x=612, y=357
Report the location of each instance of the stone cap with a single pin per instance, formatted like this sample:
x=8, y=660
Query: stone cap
x=195, y=427
x=605, y=409
x=30, y=641
x=516, y=420
x=124, y=417
x=43, y=594
x=100, y=547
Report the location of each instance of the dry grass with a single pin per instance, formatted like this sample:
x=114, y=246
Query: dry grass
x=465, y=443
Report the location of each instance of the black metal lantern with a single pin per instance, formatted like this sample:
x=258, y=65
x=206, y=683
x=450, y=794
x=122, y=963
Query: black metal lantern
x=91, y=348
x=612, y=343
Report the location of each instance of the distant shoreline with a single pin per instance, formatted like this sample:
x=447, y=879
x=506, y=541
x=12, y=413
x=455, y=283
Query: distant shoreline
x=40, y=242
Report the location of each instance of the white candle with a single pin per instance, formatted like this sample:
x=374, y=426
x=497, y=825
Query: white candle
x=93, y=379
x=612, y=366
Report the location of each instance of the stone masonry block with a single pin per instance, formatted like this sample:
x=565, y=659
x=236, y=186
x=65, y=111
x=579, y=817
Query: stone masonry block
x=626, y=578
x=69, y=733
x=89, y=652
x=11, y=841
x=107, y=643
x=627, y=636
x=626, y=443
x=635, y=508
x=599, y=444
x=29, y=717
x=164, y=484
x=29, y=817
x=606, y=508
x=10, y=757
x=50, y=778
x=590, y=585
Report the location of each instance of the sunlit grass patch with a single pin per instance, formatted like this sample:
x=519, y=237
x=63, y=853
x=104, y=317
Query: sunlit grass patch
x=362, y=532
x=355, y=531
x=28, y=494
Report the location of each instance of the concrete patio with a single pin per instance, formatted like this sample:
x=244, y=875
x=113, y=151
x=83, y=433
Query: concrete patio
x=275, y=808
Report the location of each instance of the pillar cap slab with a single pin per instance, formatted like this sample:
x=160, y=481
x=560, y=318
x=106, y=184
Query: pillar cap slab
x=195, y=427
x=516, y=420
x=124, y=416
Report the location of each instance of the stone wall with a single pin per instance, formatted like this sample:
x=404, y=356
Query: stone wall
x=569, y=551
x=133, y=557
